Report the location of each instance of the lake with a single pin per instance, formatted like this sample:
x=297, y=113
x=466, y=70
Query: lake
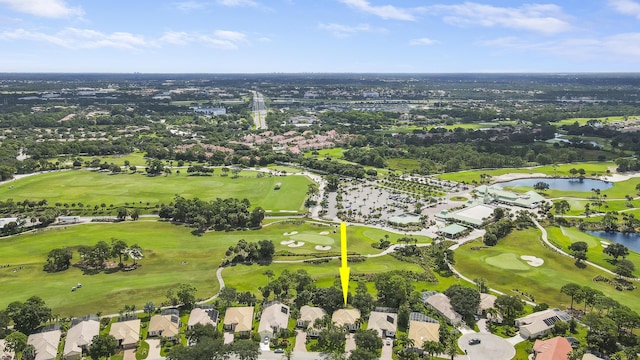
x=630, y=240
x=562, y=183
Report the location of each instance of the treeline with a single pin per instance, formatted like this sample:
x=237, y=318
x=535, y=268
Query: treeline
x=219, y=214
x=332, y=167
x=248, y=252
x=94, y=258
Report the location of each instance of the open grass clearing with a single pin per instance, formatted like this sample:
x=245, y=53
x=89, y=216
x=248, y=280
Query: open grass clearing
x=542, y=282
x=95, y=188
x=583, y=121
x=565, y=236
x=599, y=168
x=334, y=153
x=172, y=256
x=403, y=164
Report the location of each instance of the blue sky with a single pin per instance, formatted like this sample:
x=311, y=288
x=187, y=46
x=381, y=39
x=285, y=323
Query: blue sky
x=256, y=36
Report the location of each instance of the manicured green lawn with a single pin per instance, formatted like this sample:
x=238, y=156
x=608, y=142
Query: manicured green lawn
x=403, y=164
x=334, y=153
x=134, y=158
x=542, y=282
x=577, y=206
x=563, y=237
x=583, y=121
x=172, y=256
x=95, y=188
x=560, y=170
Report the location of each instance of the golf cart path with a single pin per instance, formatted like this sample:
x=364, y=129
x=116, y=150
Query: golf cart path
x=562, y=252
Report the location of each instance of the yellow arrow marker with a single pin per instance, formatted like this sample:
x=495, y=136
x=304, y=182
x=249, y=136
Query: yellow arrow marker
x=344, y=269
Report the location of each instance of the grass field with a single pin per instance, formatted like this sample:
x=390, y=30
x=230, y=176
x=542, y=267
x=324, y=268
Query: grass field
x=563, y=237
x=95, y=188
x=577, y=206
x=172, y=256
x=334, y=153
x=543, y=282
x=599, y=168
x=403, y=164
x=583, y=121
x=134, y=158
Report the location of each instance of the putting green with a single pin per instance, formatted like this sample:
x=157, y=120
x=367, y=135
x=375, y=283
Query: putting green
x=312, y=238
x=507, y=261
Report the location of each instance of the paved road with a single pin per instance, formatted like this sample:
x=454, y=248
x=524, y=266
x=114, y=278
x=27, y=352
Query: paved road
x=259, y=111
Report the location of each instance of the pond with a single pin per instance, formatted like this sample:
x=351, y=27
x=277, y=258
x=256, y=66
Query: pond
x=566, y=184
x=630, y=240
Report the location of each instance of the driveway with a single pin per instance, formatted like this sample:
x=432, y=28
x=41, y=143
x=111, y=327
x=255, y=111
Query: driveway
x=154, y=349
x=387, y=351
x=228, y=337
x=301, y=340
x=491, y=347
x=482, y=325
x=351, y=343
x=129, y=354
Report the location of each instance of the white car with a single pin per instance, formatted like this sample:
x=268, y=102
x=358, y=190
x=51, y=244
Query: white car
x=388, y=341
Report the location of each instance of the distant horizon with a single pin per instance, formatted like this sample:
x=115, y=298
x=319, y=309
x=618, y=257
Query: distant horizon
x=329, y=36
x=557, y=73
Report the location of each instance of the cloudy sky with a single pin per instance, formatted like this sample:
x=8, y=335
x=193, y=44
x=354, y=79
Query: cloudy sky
x=255, y=36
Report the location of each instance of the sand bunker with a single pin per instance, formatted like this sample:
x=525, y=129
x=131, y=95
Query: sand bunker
x=323, y=248
x=287, y=242
x=532, y=260
x=291, y=233
x=604, y=244
x=324, y=233
x=515, y=176
x=296, y=244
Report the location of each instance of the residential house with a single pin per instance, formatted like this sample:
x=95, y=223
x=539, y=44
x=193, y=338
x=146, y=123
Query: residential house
x=557, y=348
x=79, y=337
x=167, y=326
x=385, y=323
x=274, y=318
x=5, y=354
x=308, y=316
x=538, y=323
x=347, y=317
x=441, y=303
x=423, y=329
x=239, y=319
x=202, y=317
x=487, y=301
x=126, y=332
x=46, y=344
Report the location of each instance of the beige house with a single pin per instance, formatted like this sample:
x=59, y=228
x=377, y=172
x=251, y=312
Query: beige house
x=202, y=317
x=79, y=338
x=538, y=323
x=347, y=317
x=309, y=315
x=167, y=326
x=487, y=301
x=384, y=323
x=423, y=329
x=46, y=344
x=274, y=318
x=441, y=303
x=126, y=332
x=239, y=319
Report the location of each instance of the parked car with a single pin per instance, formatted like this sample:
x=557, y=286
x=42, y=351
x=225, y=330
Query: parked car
x=388, y=341
x=278, y=351
x=474, y=341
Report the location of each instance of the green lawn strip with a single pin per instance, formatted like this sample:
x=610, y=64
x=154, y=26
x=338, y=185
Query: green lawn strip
x=583, y=121
x=172, y=256
x=599, y=168
x=250, y=277
x=135, y=158
x=287, y=169
x=542, y=282
x=577, y=206
x=403, y=164
x=334, y=153
x=563, y=237
x=96, y=188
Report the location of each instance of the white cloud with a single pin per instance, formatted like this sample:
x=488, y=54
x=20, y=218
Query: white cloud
x=625, y=46
x=73, y=38
x=383, y=11
x=238, y=3
x=543, y=18
x=187, y=6
x=220, y=39
x=628, y=7
x=44, y=8
x=342, y=31
x=422, y=41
